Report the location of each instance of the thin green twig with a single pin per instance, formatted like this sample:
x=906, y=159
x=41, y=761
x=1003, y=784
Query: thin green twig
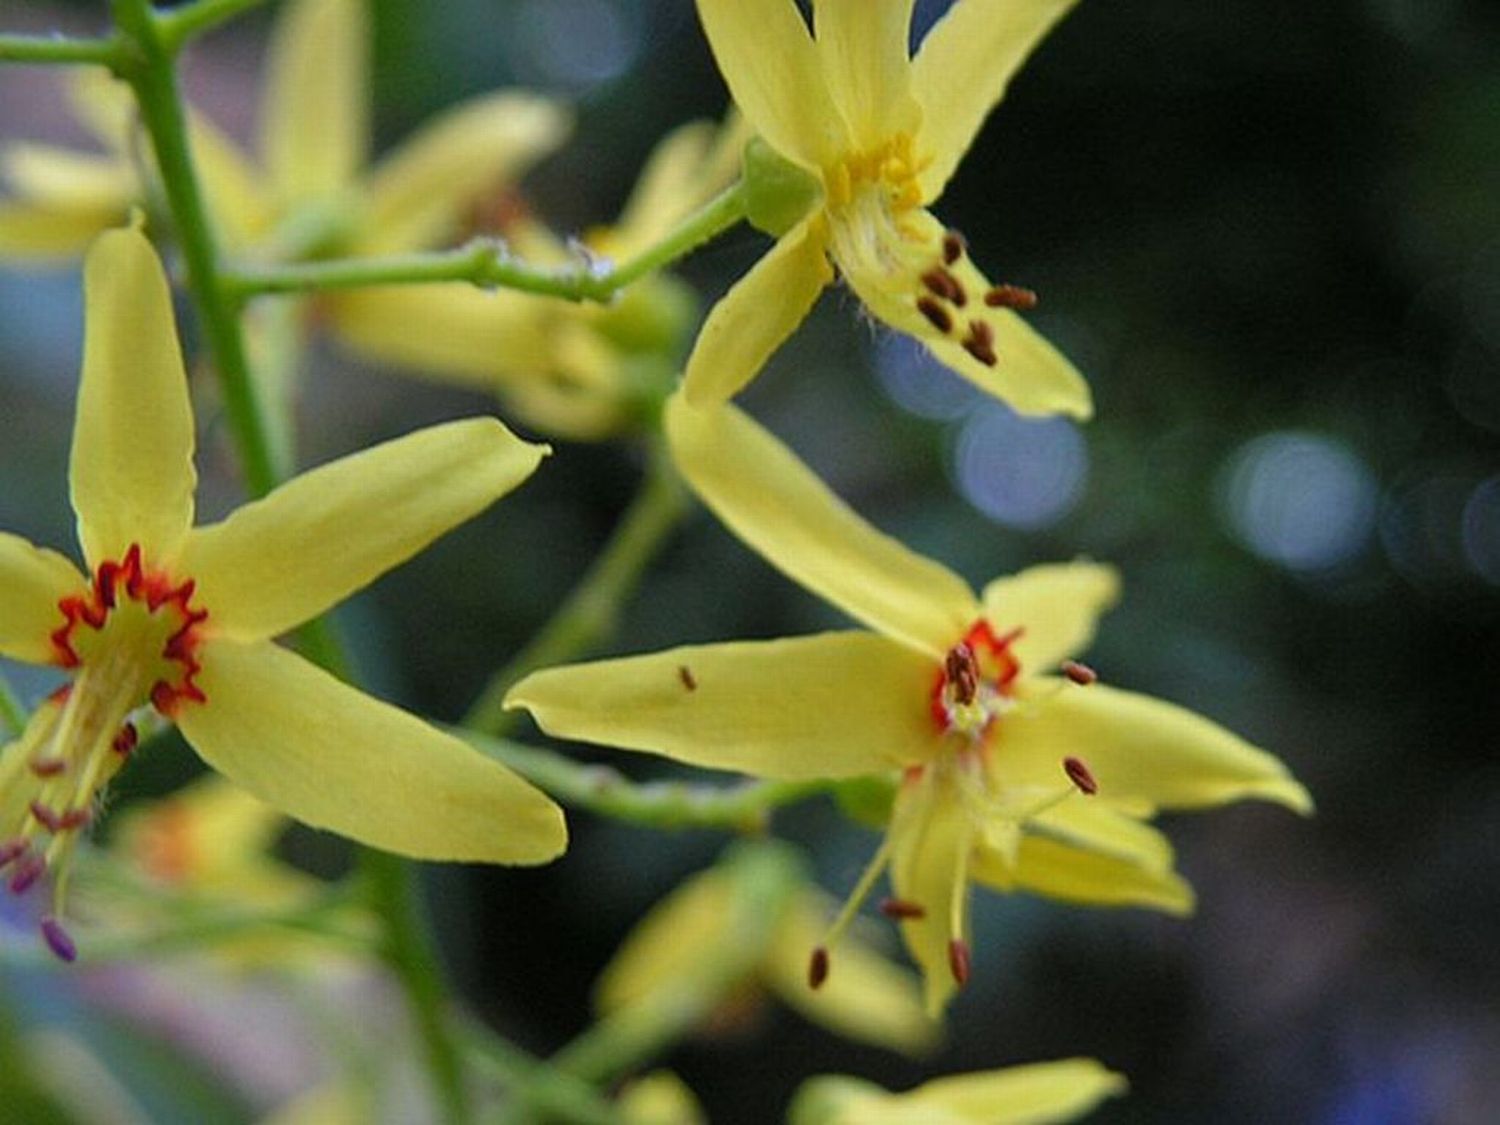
x=485, y=262
x=62, y=50
x=178, y=25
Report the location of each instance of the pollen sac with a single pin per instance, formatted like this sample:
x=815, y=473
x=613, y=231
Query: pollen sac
x=974, y=682
x=817, y=968
x=1081, y=776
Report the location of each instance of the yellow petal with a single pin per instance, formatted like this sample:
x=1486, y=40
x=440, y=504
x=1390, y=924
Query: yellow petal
x=48, y=234
x=1020, y=1095
x=1058, y=606
x=277, y=562
x=758, y=313
x=690, y=165
x=68, y=180
x=866, y=997
x=885, y=258
x=1139, y=749
x=335, y=758
x=962, y=69
x=932, y=838
x=420, y=195
x=315, y=127
x=831, y=705
x=863, y=46
x=105, y=106
x=774, y=73
x=32, y=581
x=232, y=186
x=1070, y=874
x=1082, y=822
x=772, y=501
x=660, y=1098
x=132, y=472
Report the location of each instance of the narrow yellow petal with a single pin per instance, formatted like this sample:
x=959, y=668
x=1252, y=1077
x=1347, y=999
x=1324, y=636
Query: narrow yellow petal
x=867, y=997
x=315, y=127
x=279, y=561
x=886, y=261
x=32, y=581
x=105, y=106
x=758, y=313
x=237, y=198
x=1083, y=822
x=962, y=69
x=690, y=165
x=1058, y=606
x=932, y=838
x=335, y=758
x=863, y=46
x=68, y=180
x=1060, y=871
x=825, y=706
x=52, y=235
x=132, y=471
x=660, y=1098
x=772, y=501
x=1038, y=1094
x=419, y=195
x=1139, y=749
x=774, y=73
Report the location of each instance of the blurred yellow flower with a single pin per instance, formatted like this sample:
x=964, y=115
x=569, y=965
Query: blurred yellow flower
x=313, y=193
x=1002, y=759
x=880, y=133
x=1037, y=1094
x=581, y=371
x=660, y=1098
x=182, y=617
x=870, y=999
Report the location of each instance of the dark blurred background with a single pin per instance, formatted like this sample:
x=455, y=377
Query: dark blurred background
x=1269, y=234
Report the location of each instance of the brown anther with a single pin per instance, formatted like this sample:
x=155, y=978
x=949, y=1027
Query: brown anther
x=1079, y=673
x=959, y=960
x=10, y=851
x=817, y=968
x=46, y=817
x=29, y=868
x=980, y=343
x=953, y=247
x=956, y=292
x=48, y=767
x=57, y=939
x=962, y=671
x=1081, y=776
x=1011, y=297
x=126, y=740
x=937, y=282
x=936, y=315
x=74, y=819
x=685, y=674
x=900, y=910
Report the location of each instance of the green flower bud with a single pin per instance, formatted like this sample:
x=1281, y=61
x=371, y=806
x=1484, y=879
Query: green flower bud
x=778, y=193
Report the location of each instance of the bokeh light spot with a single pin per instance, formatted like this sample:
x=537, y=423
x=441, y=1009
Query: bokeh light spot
x=1482, y=530
x=917, y=382
x=576, y=43
x=1022, y=472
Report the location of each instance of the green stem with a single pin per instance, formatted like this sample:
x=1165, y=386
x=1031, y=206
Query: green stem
x=410, y=956
x=12, y=713
x=591, y=609
x=154, y=80
x=536, y=1090
x=185, y=21
x=487, y=263
x=58, y=50
x=665, y=805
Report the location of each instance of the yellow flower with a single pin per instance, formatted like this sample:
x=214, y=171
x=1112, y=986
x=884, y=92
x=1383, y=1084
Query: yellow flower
x=660, y=1098
x=880, y=133
x=182, y=617
x=870, y=999
x=1037, y=1094
x=1002, y=759
x=581, y=371
x=313, y=193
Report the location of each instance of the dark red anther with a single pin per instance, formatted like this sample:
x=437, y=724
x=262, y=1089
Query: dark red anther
x=817, y=968
x=74, y=819
x=901, y=910
x=962, y=671
x=936, y=315
x=1079, y=673
x=959, y=960
x=1081, y=776
x=57, y=939
x=1011, y=297
x=126, y=740
x=29, y=868
x=953, y=247
x=980, y=343
x=685, y=674
x=48, y=767
x=46, y=817
x=10, y=851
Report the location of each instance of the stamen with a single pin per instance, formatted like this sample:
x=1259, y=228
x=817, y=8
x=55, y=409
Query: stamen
x=58, y=940
x=48, y=767
x=936, y=315
x=960, y=960
x=981, y=343
x=1081, y=776
x=46, y=817
x=954, y=246
x=685, y=674
x=29, y=868
x=126, y=740
x=901, y=910
x=10, y=851
x=1079, y=673
x=962, y=671
x=1011, y=297
x=817, y=968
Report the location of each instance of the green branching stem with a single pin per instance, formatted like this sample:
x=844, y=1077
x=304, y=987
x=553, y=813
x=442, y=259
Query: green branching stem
x=663, y=805
x=535, y=1091
x=590, y=611
x=487, y=263
x=182, y=23
x=60, y=50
